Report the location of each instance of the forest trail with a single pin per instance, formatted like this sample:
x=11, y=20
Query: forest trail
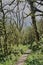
x=22, y=59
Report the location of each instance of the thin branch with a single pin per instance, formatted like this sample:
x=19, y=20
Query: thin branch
x=39, y=15
x=40, y=3
x=27, y=15
x=36, y=9
x=10, y=10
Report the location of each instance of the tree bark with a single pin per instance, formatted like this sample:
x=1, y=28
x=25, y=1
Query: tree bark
x=34, y=21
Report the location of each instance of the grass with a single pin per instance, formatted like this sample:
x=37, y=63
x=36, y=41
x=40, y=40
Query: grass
x=12, y=59
x=35, y=59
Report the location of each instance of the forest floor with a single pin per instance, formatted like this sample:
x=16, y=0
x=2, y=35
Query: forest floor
x=22, y=59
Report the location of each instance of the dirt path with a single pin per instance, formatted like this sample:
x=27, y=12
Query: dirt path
x=23, y=58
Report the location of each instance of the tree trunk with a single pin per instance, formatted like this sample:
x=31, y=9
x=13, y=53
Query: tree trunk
x=4, y=29
x=34, y=21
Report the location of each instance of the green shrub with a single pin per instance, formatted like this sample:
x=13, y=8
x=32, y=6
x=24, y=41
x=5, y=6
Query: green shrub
x=34, y=59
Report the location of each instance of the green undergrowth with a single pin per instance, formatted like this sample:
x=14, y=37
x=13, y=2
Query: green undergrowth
x=34, y=59
x=12, y=58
